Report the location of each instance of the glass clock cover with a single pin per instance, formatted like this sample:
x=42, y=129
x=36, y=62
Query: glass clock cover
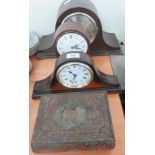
x=71, y=42
x=74, y=75
x=87, y=23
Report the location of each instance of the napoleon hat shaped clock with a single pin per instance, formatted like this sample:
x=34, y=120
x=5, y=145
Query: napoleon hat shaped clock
x=86, y=26
x=75, y=71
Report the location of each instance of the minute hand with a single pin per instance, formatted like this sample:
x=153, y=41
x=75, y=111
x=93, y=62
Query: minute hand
x=76, y=48
x=74, y=77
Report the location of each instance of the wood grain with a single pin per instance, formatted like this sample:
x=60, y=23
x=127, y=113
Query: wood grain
x=42, y=68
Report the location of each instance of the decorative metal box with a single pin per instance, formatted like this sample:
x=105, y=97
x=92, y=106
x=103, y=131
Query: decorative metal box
x=73, y=121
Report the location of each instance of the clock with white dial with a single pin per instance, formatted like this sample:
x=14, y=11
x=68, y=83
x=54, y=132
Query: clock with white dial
x=71, y=41
x=74, y=75
x=78, y=28
x=75, y=71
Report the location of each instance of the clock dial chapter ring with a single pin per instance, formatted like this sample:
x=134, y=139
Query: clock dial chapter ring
x=72, y=41
x=75, y=76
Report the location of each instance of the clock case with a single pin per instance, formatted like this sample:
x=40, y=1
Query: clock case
x=104, y=43
x=101, y=80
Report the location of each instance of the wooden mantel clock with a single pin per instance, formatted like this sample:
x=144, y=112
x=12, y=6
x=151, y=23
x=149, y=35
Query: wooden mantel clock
x=75, y=71
x=80, y=19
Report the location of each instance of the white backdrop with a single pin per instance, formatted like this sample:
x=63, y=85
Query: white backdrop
x=43, y=14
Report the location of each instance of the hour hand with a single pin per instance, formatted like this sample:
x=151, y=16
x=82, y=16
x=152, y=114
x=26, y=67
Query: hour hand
x=75, y=47
x=75, y=75
x=71, y=72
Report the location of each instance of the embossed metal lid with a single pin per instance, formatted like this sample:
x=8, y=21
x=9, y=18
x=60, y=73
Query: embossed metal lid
x=73, y=121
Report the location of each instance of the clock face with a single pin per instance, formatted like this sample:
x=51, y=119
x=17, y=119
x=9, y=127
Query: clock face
x=75, y=75
x=71, y=42
x=87, y=23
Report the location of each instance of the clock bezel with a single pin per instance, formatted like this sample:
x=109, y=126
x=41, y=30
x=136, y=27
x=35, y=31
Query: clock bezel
x=84, y=14
x=72, y=31
x=74, y=63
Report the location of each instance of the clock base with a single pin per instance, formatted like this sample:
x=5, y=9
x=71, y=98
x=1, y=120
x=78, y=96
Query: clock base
x=43, y=87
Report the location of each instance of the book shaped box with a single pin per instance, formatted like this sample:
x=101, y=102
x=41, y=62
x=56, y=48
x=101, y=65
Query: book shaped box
x=73, y=121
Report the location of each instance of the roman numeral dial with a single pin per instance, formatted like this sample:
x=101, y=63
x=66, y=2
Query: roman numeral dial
x=75, y=75
x=71, y=42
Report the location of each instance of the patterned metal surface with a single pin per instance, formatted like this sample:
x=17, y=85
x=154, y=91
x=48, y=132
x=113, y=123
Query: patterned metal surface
x=73, y=121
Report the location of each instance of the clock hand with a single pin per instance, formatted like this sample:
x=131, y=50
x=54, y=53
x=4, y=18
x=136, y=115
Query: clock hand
x=74, y=77
x=76, y=47
x=72, y=47
x=71, y=72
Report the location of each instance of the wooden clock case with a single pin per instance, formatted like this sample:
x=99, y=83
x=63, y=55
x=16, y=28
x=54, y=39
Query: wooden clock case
x=104, y=43
x=101, y=81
